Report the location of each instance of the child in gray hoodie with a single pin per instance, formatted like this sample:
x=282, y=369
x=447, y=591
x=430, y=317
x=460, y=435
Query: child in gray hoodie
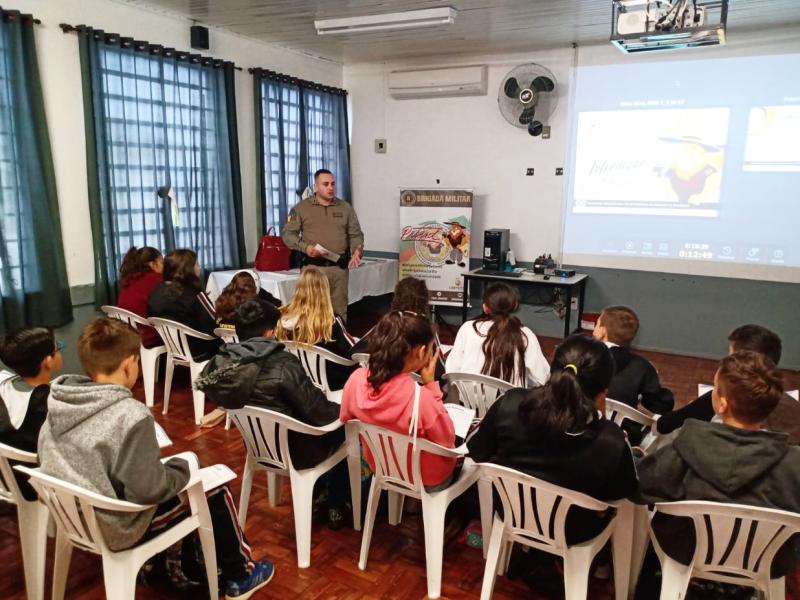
x=99, y=437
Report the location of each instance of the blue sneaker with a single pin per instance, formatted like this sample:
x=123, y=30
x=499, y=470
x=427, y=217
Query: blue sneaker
x=259, y=576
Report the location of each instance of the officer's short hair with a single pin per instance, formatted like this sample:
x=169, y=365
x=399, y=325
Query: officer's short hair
x=321, y=172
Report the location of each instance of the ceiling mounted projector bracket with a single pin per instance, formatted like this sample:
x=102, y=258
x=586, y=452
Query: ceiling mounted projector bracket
x=653, y=25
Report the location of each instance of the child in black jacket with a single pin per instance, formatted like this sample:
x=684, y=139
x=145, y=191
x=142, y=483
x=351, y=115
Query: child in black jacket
x=34, y=356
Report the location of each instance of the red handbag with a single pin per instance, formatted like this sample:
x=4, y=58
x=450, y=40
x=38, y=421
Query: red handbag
x=273, y=254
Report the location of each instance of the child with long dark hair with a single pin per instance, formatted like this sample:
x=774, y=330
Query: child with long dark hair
x=383, y=393
x=180, y=298
x=497, y=344
x=557, y=432
x=139, y=274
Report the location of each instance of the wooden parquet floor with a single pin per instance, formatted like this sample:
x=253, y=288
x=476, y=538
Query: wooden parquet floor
x=396, y=567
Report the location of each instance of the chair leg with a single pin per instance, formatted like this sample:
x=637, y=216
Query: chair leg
x=244, y=495
x=354, y=471
x=493, y=546
x=577, y=562
x=639, y=545
x=119, y=579
x=505, y=557
x=168, y=381
x=433, y=513
x=63, y=555
x=274, y=488
x=369, y=521
x=485, y=497
x=622, y=549
x=198, y=397
x=674, y=579
x=227, y=420
x=149, y=368
x=777, y=589
x=210, y=558
x=302, y=504
x=395, y=507
x=33, y=518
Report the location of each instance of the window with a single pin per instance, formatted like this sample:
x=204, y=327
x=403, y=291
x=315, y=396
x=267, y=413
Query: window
x=303, y=128
x=163, y=126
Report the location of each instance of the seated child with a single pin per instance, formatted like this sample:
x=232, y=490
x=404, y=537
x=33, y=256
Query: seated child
x=557, y=432
x=497, y=344
x=383, y=393
x=257, y=372
x=785, y=417
x=34, y=355
x=99, y=437
x=734, y=461
x=635, y=379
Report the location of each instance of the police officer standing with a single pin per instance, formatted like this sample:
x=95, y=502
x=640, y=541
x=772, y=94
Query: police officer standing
x=332, y=223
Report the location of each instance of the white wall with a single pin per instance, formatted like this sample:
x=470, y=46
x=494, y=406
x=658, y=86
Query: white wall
x=466, y=142
x=462, y=142
x=61, y=80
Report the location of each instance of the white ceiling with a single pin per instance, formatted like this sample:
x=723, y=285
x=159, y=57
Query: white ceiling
x=481, y=27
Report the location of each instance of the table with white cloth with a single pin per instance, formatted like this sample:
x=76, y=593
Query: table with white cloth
x=374, y=277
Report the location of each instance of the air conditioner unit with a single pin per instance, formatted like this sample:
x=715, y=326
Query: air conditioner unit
x=440, y=82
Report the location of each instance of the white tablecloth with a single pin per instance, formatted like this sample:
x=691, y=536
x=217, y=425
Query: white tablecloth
x=375, y=276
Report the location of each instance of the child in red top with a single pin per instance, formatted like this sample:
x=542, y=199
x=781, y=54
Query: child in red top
x=383, y=394
x=140, y=273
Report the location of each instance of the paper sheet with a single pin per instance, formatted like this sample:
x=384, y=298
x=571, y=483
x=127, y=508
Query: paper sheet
x=215, y=476
x=461, y=417
x=327, y=253
x=161, y=436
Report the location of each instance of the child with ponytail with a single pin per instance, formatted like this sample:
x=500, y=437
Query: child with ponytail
x=557, y=432
x=139, y=274
x=498, y=344
x=383, y=393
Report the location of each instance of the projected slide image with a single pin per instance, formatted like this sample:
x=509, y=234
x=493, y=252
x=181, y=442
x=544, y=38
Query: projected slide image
x=773, y=139
x=650, y=162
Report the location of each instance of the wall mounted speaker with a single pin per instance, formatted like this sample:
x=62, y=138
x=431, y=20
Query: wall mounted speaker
x=199, y=37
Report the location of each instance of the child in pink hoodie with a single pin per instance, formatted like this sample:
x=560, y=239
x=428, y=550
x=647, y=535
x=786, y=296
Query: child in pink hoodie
x=383, y=394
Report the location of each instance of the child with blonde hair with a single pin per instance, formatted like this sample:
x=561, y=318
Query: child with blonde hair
x=308, y=318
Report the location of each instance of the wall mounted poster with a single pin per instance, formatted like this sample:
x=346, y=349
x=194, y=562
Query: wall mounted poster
x=435, y=232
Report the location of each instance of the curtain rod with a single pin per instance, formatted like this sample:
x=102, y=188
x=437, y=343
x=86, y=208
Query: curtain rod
x=267, y=74
x=11, y=15
x=153, y=48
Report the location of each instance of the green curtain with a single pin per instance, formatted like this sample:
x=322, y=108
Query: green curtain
x=159, y=118
x=301, y=126
x=33, y=283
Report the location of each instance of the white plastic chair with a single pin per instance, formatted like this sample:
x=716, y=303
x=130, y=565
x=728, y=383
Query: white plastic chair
x=314, y=361
x=176, y=336
x=477, y=391
x=227, y=335
x=32, y=520
x=149, y=356
x=73, y=509
x=617, y=412
x=391, y=452
x=266, y=437
x=735, y=543
x=535, y=513
x=703, y=388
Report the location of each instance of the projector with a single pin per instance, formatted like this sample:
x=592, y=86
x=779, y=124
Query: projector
x=652, y=25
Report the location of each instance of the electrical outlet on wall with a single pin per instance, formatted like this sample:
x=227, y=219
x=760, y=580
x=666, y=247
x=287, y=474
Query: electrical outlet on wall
x=573, y=304
x=380, y=146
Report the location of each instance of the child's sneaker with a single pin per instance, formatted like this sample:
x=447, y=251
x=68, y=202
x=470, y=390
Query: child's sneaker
x=259, y=576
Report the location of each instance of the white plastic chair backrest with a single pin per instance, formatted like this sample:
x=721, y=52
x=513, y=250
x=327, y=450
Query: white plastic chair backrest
x=703, y=388
x=734, y=539
x=9, y=490
x=265, y=434
x=227, y=335
x=362, y=358
x=477, y=391
x=176, y=337
x=73, y=508
x=313, y=360
x=535, y=511
x=131, y=318
x=396, y=457
x=617, y=411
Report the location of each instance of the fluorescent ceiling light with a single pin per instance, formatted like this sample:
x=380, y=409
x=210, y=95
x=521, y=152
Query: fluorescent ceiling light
x=410, y=19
